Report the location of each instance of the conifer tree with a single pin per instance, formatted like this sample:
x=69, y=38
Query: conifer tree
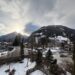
x=22, y=49
x=39, y=57
x=49, y=56
x=43, y=42
x=17, y=40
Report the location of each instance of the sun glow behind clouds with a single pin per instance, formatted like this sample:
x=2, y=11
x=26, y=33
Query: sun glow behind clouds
x=20, y=29
x=21, y=32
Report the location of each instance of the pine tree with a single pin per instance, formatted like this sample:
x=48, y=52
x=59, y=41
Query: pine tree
x=43, y=42
x=17, y=40
x=62, y=45
x=22, y=49
x=49, y=56
x=39, y=57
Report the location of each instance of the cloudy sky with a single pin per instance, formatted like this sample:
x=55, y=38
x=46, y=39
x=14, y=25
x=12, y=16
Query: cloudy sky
x=29, y=15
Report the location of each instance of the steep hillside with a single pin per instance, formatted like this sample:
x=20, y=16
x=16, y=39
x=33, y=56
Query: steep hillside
x=54, y=30
x=10, y=37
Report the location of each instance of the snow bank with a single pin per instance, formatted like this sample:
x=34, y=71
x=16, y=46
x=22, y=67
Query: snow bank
x=37, y=72
x=68, y=73
x=3, y=53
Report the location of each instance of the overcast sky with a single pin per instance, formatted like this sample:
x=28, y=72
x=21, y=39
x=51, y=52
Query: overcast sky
x=29, y=15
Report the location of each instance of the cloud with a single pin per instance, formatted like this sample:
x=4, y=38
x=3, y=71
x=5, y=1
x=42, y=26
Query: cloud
x=40, y=7
x=31, y=27
x=66, y=12
x=69, y=21
x=16, y=14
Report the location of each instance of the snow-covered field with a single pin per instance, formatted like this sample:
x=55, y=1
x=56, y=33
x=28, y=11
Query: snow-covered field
x=62, y=60
x=20, y=68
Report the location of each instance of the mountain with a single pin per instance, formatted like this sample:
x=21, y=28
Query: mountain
x=10, y=37
x=54, y=30
x=49, y=31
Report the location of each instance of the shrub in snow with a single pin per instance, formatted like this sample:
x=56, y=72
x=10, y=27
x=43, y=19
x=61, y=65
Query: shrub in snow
x=68, y=66
x=56, y=70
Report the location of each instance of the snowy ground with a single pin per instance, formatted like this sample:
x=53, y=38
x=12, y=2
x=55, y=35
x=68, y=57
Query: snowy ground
x=20, y=68
x=56, y=53
x=61, y=60
x=37, y=72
